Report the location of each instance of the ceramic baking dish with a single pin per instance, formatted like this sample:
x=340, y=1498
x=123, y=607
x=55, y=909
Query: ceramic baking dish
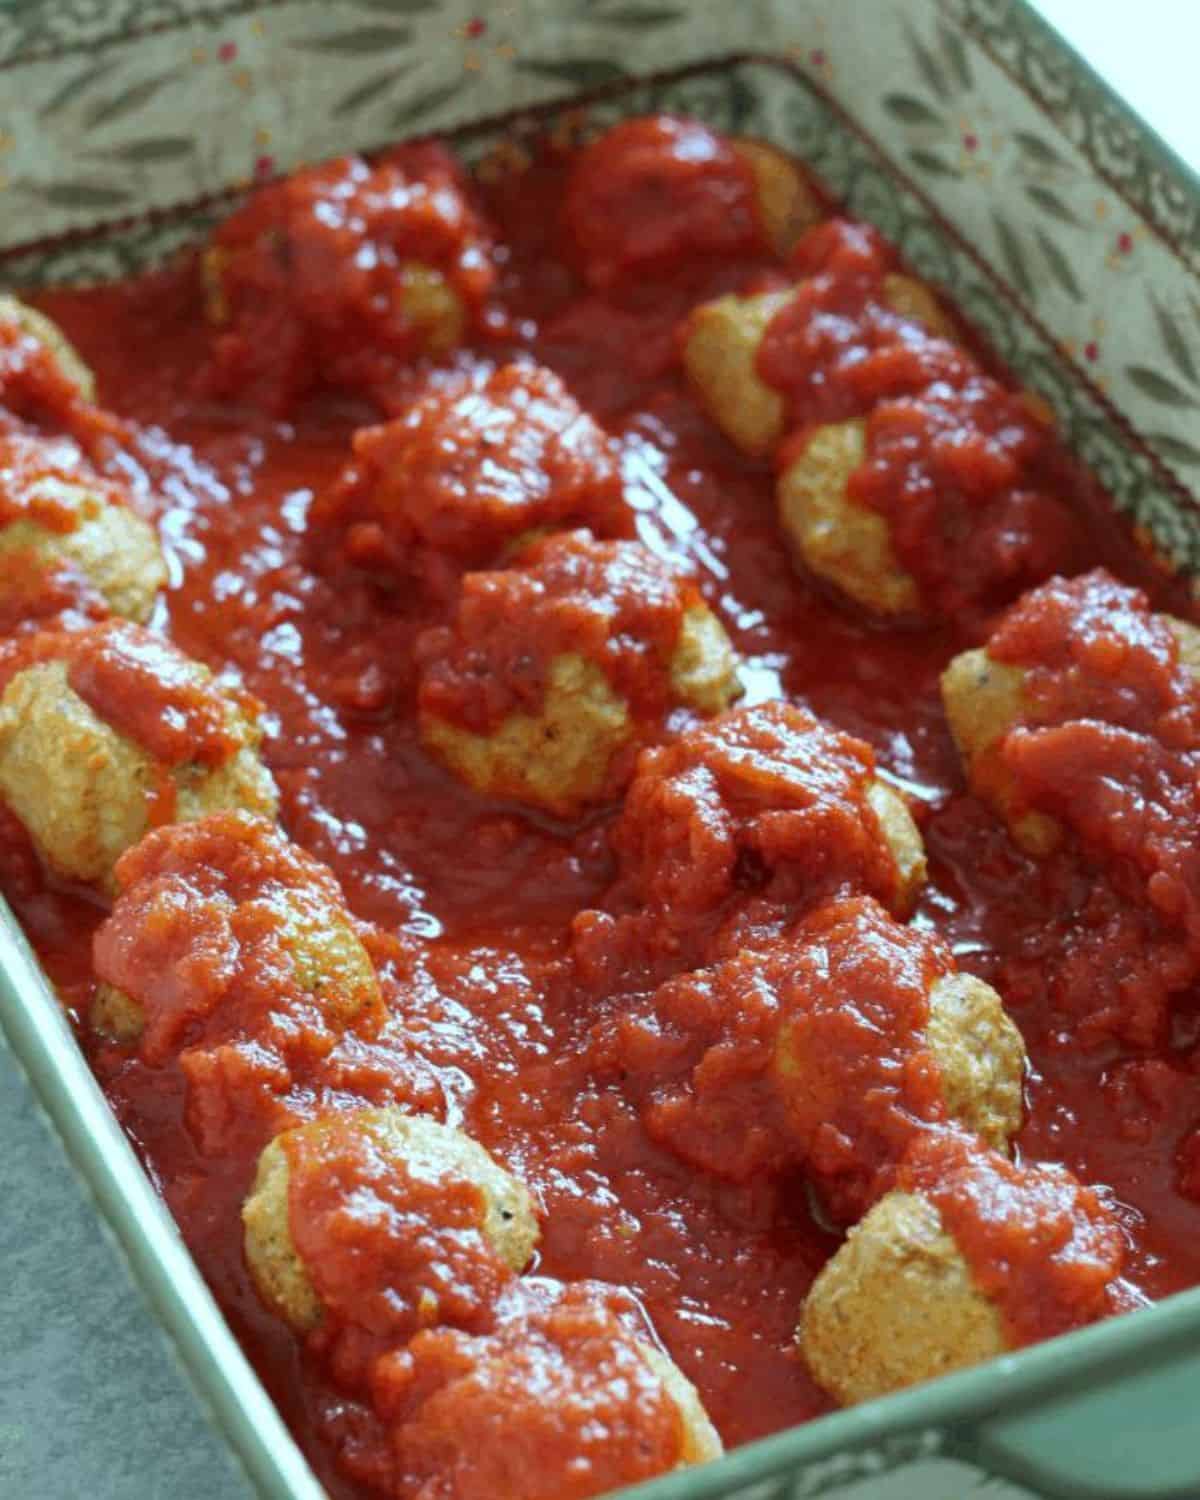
x=1007, y=175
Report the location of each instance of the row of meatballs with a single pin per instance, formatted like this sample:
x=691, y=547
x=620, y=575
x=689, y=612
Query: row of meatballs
x=230, y=956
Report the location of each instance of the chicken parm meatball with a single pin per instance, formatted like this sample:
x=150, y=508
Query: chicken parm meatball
x=942, y=503
x=230, y=955
x=565, y=1399
x=108, y=731
x=472, y=467
x=1079, y=723
x=756, y=816
x=45, y=386
x=59, y=520
x=344, y=275
x=968, y=1257
x=720, y=343
x=855, y=331
x=384, y=1221
x=826, y=1051
x=846, y=544
x=1085, y=649
x=558, y=667
x=652, y=189
x=33, y=346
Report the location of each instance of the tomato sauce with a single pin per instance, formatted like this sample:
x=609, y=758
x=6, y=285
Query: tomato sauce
x=470, y=905
x=808, y=1054
x=148, y=692
x=610, y=603
x=1045, y=1247
x=392, y=1248
x=562, y=1437
x=308, y=302
x=838, y=346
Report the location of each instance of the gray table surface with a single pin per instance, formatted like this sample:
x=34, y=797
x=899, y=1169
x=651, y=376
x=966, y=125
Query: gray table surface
x=93, y=1403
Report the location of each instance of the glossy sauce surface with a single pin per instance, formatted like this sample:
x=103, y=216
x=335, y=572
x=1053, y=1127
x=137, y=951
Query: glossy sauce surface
x=494, y=1008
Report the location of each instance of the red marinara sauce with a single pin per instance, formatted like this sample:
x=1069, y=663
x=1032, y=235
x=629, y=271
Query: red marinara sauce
x=557, y=1402
x=1041, y=1245
x=469, y=469
x=149, y=692
x=656, y=190
x=808, y=1054
x=487, y=1014
x=611, y=603
x=389, y=1247
x=348, y=269
x=838, y=345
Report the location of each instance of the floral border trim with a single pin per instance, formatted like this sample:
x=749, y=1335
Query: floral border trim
x=1125, y=152
x=36, y=30
x=773, y=98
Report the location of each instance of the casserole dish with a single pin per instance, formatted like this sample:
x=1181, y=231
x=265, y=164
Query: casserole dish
x=1003, y=174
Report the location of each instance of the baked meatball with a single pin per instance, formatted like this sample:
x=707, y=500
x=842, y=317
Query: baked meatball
x=474, y=465
x=57, y=514
x=720, y=343
x=651, y=189
x=343, y=275
x=556, y=668
x=231, y=960
x=969, y=1257
x=45, y=386
x=108, y=731
x=944, y=501
x=222, y=904
x=28, y=337
x=564, y=1400
x=785, y=201
x=386, y=1221
x=762, y=810
x=825, y=1050
x=1091, y=645
x=896, y=1305
x=839, y=540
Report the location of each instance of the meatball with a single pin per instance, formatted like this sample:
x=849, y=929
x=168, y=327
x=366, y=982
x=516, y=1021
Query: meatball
x=224, y=894
x=343, y=275
x=651, y=189
x=983, y=700
x=980, y=1057
x=564, y=1400
x=720, y=344
x=108, y=731
x=763, y=810
x=825, y=1049
x=474, y=465
x=384, y=1220
x=23, y=329
x=944, y=501
x=970, y=484
x=1082, y=640
x=836, y=538
x=970, y=1256
x=559, y=666
x=784, y=199
x=231, y=960
x=56, y=513
x=896, y=1305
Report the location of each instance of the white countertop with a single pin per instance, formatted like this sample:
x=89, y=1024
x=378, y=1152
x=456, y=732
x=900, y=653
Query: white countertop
x=1145, y=49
